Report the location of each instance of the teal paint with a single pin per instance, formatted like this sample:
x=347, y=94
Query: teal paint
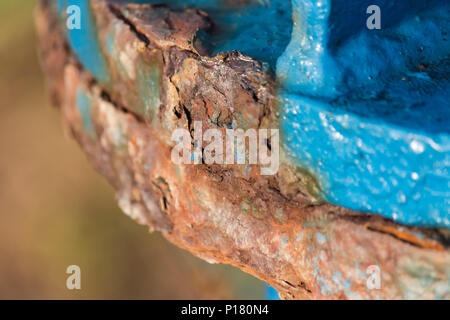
x=271, y=293
x=148, y=84
x=84, y=41
x=84, y=104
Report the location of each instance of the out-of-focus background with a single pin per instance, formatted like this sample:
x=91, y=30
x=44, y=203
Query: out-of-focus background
x=55, y=210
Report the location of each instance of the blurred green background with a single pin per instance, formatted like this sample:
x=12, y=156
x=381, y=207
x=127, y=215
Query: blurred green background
x=55, y=210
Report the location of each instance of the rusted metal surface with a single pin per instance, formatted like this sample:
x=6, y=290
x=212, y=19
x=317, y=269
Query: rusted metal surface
x=273, y=227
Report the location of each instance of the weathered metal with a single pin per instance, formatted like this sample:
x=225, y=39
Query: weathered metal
x=159, y=76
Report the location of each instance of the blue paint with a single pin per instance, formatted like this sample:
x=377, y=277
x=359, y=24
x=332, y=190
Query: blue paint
x=332, y=52
x=271, y=293
x=84, y=104
x=367, y=112
x=84, y=42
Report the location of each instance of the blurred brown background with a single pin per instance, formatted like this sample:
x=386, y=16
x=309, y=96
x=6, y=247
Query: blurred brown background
x=55, y=210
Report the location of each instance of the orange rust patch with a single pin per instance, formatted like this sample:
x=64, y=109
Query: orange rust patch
x=408, y=237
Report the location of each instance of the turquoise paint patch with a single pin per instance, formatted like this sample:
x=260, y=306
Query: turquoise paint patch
x=144, y=96
x=149, y=89
x=84, y=41
x=84, y=104
x=271, y=293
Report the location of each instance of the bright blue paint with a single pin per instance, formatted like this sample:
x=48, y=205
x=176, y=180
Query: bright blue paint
x=367, y=165
x=271, y=293
x=84, y=42
x=370, y=124
x=332, y=52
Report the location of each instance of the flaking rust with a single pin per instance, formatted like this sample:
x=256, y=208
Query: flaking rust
x=273, y=227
